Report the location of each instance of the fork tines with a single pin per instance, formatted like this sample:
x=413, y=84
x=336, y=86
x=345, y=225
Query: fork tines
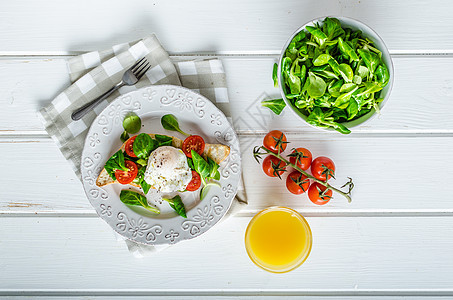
x=141, y=67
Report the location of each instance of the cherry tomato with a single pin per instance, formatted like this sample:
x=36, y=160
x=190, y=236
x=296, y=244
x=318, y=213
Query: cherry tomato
x=323, y=168
x=275, y=141
x=193, y=142
x=273, y=166
x=319, y=198
x=297, y=183
x=125, y=177
x=129, y=147
x=302, y=156
x=195, y=183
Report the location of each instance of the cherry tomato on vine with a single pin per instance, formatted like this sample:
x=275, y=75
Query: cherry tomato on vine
x=273, y=166
x=193, y=142
x=302, y=156
x=125, y=177
x=195, y=183
x=129, y=147
x=318, y=194
x=323, y=168
x=297, y=183
x=275, y=141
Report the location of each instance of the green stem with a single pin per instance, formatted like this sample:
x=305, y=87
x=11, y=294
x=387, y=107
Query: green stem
x=346, y=195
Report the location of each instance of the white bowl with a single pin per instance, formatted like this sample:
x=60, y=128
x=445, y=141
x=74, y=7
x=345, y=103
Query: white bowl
x=366, y=32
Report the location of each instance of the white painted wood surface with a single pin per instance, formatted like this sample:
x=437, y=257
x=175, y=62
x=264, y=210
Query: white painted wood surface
x=393, y=241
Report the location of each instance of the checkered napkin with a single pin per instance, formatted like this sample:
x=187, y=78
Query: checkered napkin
x=96, y=72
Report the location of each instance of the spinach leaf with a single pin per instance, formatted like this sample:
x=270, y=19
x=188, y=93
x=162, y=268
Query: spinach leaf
x=170, y=122
x=124, y=136
x=190, y=163
x=352, y=109
x=144, y=145
x=319, y=36
x=347, y=50
x=177, y=205
x=346, y=72
x=163, y=140
x=141, y=180
x=208, y=170
x=135, y=199
x=382, y=75
x=332, y=28
x=115, y=162
x=274, y=75
x=322, y=59
x=370, y=59
x=317, y=86
x=276, y=105
x=201, y=166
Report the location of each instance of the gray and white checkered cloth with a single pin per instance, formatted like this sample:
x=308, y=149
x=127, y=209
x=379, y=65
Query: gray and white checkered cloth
x=96, y=72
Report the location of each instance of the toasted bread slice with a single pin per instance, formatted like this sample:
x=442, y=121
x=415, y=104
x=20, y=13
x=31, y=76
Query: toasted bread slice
x=217, y=152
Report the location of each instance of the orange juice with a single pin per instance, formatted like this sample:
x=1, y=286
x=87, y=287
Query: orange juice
x=278, y=239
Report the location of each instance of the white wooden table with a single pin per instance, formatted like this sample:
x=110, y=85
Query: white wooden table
x=394, y=240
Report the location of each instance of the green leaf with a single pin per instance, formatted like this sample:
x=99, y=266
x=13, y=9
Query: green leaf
x=177, y=204
x=343, y=100
x=334, y=88
x=124, y=136
x=190, y=163
x=200, y=166
x=317, y=86
x=144, y=145
x=332, y=28
x=169, y=122
x=132, y=123
x=141, y=180
x=347, y=87
x=274, y=75
x=319, y=36
x=346, y=72
x=276, y=105
x=352, y=109
x=163, y=140
x=213, y=168
x=370, y=87
x=357, y=79
x=382, y=75
x=370, y=59
x=347, y=50
x=321, y=60
x=115, y=162
x=142, y=162
x=135, y=199
x=363, y=72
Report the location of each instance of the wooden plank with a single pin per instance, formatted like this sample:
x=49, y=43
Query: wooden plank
x=392, y=175
x=202, y=25
x=420, y=101
x=349, y=255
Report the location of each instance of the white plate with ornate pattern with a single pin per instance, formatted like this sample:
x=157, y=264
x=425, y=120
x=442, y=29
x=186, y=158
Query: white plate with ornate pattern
x=196, y=115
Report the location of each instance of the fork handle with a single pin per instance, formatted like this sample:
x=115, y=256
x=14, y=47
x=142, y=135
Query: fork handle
x=80, y=112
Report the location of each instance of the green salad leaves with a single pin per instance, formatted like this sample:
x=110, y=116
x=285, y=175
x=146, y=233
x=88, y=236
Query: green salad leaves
x=332, y=75
x=136, y=199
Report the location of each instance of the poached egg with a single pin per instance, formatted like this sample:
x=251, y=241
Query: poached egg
x=168, y=170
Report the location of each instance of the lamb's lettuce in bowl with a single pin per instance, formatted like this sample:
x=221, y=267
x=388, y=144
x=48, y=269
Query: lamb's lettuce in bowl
x=335, y=73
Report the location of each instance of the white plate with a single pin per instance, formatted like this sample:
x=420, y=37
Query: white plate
x=196, y=115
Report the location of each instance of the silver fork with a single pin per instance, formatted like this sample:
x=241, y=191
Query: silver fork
x=130, y=77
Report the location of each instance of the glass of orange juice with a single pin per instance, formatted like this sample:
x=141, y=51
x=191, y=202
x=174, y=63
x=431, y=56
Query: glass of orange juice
x=278, y=239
